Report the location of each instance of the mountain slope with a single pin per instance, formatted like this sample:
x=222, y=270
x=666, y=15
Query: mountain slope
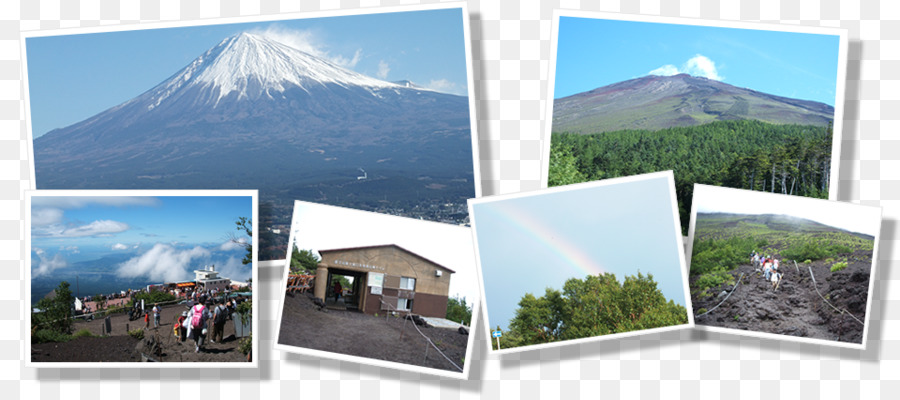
x=657, y=102
x=252, y=113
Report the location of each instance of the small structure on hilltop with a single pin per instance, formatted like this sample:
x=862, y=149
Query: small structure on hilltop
x=208, y=279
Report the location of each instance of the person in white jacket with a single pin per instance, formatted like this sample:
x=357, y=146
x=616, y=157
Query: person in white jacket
x=197, y=325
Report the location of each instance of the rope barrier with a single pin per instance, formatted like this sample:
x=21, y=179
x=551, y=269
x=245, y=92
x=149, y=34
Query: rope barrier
x=815, y=286
x=726, y=297
x=427, y=339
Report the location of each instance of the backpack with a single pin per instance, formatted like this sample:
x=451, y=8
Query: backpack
x=197, y=318
x=220, y=315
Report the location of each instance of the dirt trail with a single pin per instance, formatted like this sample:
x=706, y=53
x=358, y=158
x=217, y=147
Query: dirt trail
x=357, y=334
x=795, y=309
x=119, y=347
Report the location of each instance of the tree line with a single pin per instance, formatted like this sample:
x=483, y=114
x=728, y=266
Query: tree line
x=746, y=154
x=594, y=306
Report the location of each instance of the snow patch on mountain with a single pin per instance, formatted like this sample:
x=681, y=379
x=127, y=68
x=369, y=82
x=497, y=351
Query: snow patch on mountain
x=253, y=66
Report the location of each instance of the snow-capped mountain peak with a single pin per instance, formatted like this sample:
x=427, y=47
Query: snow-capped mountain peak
x=253, y=66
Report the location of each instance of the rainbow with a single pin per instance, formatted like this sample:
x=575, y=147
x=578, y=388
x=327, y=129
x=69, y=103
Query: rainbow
x=551, y=237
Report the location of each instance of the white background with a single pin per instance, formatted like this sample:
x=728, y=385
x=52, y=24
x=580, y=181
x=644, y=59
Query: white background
x=511, y=51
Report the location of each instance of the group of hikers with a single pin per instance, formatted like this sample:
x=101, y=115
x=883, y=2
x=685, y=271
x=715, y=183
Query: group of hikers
x=768, y=265
x=193, y=323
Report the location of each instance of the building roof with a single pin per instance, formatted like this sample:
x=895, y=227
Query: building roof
x=386, y=245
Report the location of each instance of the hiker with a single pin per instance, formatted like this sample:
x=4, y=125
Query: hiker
x=197, y=320
x=338, y=289
x=147, y=321
x=219, y=318
x=181, y=331
x=767, y=269
x=156, y=315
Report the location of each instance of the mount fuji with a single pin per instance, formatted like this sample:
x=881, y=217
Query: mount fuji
x=253, y=113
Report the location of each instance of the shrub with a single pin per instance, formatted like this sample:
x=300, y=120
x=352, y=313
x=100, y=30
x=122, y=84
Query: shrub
x=838, y=266
x=714, y=279
x=459, y=310
x=136, y=333
x=49, y=336
x=806, y=250
x=150, y=298
x=701, y=310
x=808, y=261
x=246, y=344
x=82, y=333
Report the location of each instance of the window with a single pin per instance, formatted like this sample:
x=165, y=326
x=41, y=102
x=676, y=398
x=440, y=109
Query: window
x=404, y=304
x=408, y=283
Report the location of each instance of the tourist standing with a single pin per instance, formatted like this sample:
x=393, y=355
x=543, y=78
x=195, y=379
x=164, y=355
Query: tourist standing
x=198, y=316
x=219, y=318
x=156, y=315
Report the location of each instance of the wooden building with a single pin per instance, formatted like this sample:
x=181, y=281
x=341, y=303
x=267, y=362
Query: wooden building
x=386, y=278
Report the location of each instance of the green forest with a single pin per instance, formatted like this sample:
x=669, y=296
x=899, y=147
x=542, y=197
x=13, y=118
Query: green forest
x=745, y=154
x=594, y=306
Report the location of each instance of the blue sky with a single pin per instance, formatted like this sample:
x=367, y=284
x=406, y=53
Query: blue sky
x=165, y=237
x=74, y=77
x=527, y=244
x=592, y=53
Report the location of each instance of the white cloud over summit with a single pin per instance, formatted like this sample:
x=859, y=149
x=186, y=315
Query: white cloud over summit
x=698, y=65
x=307, y=42
x=163, y=263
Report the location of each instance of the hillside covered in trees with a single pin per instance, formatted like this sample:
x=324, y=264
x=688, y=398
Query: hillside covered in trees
x=745, y=154
x=594, y=306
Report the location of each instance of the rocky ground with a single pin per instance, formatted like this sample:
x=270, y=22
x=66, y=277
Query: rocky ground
x=357, y=334
x=120, y=347
x=795, y=308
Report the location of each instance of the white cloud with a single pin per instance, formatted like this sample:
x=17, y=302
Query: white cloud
x=702, y=66
x=383, y=70
x=42, y=216
x=235, y=269
x=698, y=65
x=96, y=228
x=46, y=264
x=344, y=61
x=441, y=85
x=665, y=70
x=119, y=246
x=163, y=263
x=231, y=245
x=307, y=42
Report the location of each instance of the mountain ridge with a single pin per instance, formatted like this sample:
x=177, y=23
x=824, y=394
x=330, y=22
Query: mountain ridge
x=784, y=222
x=656, y=102
x=251, y=113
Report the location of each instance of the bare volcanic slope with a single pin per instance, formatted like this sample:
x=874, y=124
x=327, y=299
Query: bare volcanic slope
x=252, y=113
x=657, y=102
x=734, y=294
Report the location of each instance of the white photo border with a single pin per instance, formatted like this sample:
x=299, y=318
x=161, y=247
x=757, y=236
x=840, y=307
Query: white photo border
x=25, y=330
x=702, y=189
x=358, y=359
x=838, y=120
x=470, y=80
x=678, y=239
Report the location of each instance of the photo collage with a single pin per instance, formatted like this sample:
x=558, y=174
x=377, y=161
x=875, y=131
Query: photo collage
x=311, y=186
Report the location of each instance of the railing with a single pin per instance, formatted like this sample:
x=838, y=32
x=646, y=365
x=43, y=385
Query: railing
x=726, y=297
x=427, y=339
